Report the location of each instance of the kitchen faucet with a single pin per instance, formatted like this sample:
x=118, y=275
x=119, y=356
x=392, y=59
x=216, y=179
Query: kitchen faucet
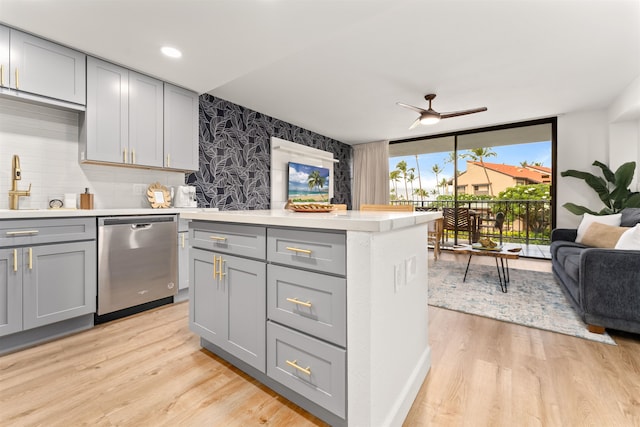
x=16, y=175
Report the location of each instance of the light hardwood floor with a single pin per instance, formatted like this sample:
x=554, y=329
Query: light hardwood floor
x=149, y=370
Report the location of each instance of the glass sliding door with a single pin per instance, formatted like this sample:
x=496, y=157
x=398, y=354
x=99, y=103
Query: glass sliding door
x=473, y=175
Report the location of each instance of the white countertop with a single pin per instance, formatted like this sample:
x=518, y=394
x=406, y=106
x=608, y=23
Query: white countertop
x=336, y=220
x=63, y=213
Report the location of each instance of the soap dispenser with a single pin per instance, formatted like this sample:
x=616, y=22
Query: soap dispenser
x=86, y=200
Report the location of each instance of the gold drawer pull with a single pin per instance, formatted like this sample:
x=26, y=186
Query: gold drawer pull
x=30, y=259
x=182, y=236
x=1, y=74
x=215, y=263
x=21, y=232
x=124, y=156
x=298, y=250
x=133, y=156
x=306, y=370
x=17, y=79
x=219, y=238
x=168, y=160
x=15, y=260
x=221, y=268
x=297, y=301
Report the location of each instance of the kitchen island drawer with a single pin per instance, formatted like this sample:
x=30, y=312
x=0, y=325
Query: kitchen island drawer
x=309, y=302
x=310, y=367
x=245, y=240
x=315, y=250
x=40, y=231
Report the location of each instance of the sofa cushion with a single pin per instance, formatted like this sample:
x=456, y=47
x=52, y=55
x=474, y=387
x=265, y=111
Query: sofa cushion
x=630, y=239
x=630, y=217
x=588, y=219
x=569, y=258
x=602, y=235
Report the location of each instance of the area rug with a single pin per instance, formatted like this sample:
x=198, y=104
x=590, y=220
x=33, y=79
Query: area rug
x=533, y=298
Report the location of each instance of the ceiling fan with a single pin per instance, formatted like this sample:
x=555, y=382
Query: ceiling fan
x=430, y=116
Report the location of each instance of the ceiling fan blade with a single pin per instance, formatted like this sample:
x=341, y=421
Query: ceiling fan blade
x=462, y=113
x=411, y=107
x=414, y=124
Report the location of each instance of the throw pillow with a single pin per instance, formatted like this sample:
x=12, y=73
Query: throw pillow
x=588, y=219
x=630, y=217
x=630, y=239
x=602, y=235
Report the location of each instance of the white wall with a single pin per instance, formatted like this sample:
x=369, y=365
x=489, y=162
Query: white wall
x=283, y=152
x=610, y=135
x=46, y=139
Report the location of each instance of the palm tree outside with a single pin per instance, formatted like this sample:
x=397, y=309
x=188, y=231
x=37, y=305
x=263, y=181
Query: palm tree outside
x=402, y=167
x=478, y=155
x=437, y=170
x=419, y=179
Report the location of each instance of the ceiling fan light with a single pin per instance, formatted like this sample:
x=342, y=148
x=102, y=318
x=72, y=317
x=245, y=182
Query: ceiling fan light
x=429, y=120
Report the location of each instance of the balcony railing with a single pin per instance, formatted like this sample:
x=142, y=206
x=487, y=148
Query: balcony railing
x=526, y=221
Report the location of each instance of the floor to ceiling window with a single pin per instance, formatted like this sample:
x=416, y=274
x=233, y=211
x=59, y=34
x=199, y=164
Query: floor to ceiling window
x=475, y=174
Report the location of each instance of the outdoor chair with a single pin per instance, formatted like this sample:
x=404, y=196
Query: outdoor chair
x=465, y=221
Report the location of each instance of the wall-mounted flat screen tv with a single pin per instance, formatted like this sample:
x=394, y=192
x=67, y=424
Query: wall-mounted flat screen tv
x=308, y=184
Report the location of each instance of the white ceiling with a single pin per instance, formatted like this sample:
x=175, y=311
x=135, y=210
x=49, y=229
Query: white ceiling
x=337, y=67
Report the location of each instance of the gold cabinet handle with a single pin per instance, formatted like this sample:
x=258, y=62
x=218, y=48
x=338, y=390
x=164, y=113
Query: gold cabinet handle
x=133, y=156
x=17, y=79
x=15, y=260
x=297, y=301
x=221, y=269
x=294, y=363
x=182, y=235
x=30, y=259
x=21, y=232
x=298, y=250
x=124, y=156
x=168, y=160
x=1, y=74
x=219, y=238
x=215, y=260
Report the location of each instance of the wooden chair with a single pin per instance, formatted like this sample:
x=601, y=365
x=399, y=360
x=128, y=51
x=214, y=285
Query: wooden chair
x=465, y=222
x=393, y=208
x=434, y=236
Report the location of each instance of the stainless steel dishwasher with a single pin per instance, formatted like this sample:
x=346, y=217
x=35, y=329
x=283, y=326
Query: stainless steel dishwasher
x=137, y=264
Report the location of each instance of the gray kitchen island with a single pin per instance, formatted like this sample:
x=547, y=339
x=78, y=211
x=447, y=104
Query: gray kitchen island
x=327, y=309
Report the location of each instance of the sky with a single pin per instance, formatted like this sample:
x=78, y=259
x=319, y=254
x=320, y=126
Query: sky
x=507, y=154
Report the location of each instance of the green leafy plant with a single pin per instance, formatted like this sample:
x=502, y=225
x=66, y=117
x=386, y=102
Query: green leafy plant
x=613, y=189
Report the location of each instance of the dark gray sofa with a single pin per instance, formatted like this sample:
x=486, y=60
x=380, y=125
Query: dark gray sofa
x=602, y=284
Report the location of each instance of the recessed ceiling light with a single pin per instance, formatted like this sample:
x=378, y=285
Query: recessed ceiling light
x=171, y=52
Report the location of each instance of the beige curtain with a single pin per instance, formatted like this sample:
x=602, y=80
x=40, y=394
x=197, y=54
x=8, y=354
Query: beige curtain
x=371, y=173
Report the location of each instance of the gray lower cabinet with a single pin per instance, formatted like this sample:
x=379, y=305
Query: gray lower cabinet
x=227, y=304
x=43, y=279
x=10, y=291
x=275, y=298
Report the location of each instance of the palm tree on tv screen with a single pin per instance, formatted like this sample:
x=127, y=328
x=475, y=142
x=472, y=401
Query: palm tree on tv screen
x=315, y=180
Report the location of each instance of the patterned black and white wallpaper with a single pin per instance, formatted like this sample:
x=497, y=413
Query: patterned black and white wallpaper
x=235, y=156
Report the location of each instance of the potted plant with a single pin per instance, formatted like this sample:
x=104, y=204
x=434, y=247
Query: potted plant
x=613, y=189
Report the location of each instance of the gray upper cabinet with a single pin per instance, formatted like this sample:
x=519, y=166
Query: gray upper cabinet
x=181, y=129
x=47, y=69
x=106, y=122
x=4, y=57
x=123, y=121
x=145, y=120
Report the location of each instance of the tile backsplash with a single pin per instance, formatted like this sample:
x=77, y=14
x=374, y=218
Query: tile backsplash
x=46, y=139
